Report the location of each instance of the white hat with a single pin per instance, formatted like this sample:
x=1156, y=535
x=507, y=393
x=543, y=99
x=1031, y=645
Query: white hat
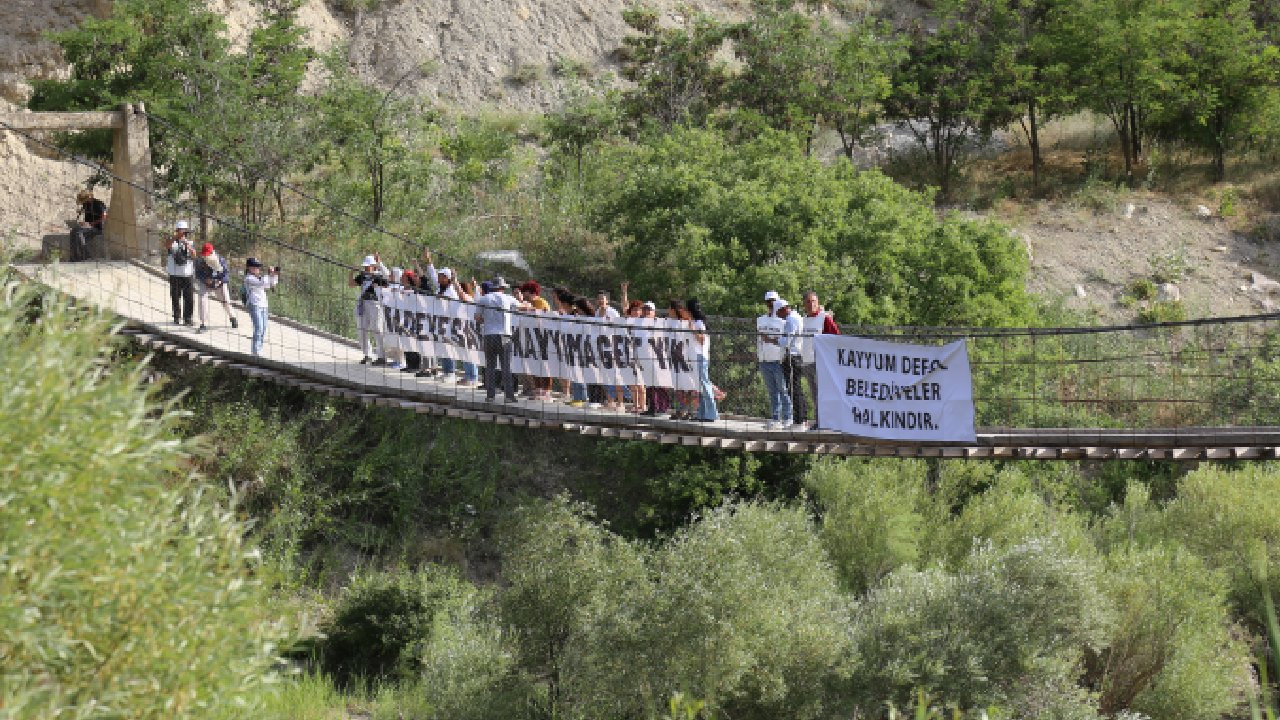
x=446, y=272
x=771, y=295
x=779, y=304
x=648, y=305
x=182, y=225
x=369, y=260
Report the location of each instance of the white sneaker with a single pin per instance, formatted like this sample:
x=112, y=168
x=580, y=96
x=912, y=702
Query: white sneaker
x=800, y=427
x=771, y=425
x=594, y=406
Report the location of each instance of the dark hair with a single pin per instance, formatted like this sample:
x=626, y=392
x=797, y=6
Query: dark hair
x=583, y=306
x=563, y=295
x=678, y=308
x=695, y=310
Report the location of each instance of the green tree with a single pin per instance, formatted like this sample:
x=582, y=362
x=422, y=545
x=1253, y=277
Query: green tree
x=952, y=90
x=1118, y=58
x=1222, y=70
x=856, y=79
x=1041, y=68
x=170, y=54
x=128, y=590
x=700, y=215
x=585, y=119
x=1176, y=658
x=676, y=75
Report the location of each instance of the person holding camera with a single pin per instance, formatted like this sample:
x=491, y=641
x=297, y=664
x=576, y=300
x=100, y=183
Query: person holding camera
x=181, y=268
x=369, y=320
x=256, y=285
x=212, y=274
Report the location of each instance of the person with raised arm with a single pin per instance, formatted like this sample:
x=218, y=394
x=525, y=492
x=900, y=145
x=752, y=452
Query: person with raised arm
x=369, y=320
x=180, y=266
x=256, y=285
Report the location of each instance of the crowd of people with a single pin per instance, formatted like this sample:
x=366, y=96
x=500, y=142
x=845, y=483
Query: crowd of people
x=786, y=358
x=784, y=352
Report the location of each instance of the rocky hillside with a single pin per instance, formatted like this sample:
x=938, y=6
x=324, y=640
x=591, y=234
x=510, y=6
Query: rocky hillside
x=509, y=54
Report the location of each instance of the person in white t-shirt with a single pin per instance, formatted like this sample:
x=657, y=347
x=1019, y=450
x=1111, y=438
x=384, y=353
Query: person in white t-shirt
x=493, y=314
x=612, y=393
x=769, y=353
x=702, y=356
x=816, y=321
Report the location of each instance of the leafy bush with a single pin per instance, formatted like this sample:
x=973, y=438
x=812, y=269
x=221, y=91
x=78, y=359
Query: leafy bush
x=1006, y=626
x=1141, y=289
x=746, y=615
x=383, y=623
x=1231, y=519
x=127, y=592
x=703, y=214
x=871, y=520
x=1175, y=658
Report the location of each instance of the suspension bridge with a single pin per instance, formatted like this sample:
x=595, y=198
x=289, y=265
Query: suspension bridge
x=1197, y=390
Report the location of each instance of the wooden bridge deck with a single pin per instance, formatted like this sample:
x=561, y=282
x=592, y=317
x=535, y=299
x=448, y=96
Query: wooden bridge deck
x=308, y=358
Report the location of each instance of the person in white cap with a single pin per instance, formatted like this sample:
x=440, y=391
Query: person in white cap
x=769, y=353
x=494, y=315
x=256, y=285
x=447, y=286
x=793, y=343
x=180, y=265
x=770, y=298
x=369, y=324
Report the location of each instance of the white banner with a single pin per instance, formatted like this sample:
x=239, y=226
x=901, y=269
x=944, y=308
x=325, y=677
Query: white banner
x=594, y=351
x=895, y=391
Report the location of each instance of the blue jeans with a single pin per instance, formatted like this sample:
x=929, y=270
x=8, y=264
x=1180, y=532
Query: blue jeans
x=707, y=401
x=258, y=315
x=775, y=386
x=469, y=372
x=577, y=392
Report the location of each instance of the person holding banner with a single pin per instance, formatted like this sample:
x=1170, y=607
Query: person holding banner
x=369, y=321
x=769, y=353
x=702, y=357
x=816, y=321
x=493, y=314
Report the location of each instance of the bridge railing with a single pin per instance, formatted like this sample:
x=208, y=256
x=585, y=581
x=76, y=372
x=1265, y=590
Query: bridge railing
x=1212, y=372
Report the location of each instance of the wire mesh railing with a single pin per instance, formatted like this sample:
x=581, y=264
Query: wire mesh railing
x=1219, y=372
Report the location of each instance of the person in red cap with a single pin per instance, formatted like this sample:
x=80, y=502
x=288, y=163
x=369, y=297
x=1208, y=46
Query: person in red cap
x=212, y=273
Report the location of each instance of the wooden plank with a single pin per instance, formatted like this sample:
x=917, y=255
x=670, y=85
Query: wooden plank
x=66, y=121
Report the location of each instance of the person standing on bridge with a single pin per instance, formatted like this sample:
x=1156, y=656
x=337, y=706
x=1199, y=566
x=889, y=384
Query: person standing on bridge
x=212, y=275
x=369, y=320
x=793, y=344
x=493, y=314
x=180, y=264
x=255, y=286
x=86, y=237
x=816, y=321
x=769, y=353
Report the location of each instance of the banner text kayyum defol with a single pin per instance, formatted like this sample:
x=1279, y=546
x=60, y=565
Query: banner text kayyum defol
x=895, y=391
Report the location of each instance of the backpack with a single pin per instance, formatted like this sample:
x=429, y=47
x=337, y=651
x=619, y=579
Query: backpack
x=181, y=255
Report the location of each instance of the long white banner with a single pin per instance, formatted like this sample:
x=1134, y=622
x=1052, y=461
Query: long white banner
x=895, y=391
x=622, y=351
